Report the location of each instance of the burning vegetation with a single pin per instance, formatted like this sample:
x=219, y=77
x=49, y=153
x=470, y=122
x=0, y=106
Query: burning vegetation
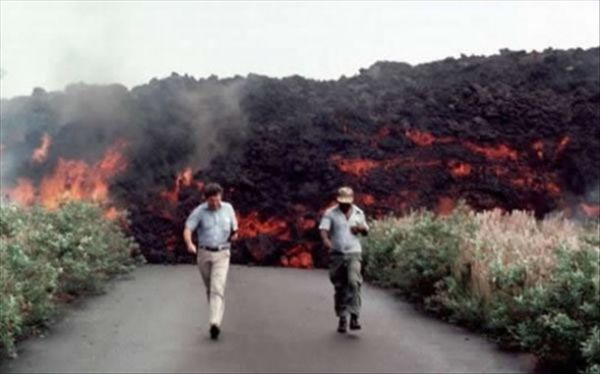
x=511, y=131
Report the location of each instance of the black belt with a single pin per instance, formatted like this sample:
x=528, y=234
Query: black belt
x=214, y=249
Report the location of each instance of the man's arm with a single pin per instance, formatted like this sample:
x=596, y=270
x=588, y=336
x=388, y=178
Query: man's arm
x=362, y=227
x=190, y=225
x=324, y=228
x=325, y=238
x=187, y=236
x=234, y=226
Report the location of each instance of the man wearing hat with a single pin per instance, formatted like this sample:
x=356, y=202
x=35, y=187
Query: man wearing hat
x=340, y=228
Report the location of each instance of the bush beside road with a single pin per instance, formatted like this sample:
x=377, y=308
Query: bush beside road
x=529, y=284
x=51, y=256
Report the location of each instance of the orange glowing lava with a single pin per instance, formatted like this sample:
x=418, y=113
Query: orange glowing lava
x=421, y=138
x=251, y=226
x=366, y=199
x=498, y=152
x=298, y=256
x=359, y=167
x=460, y=169
x=425, y=139
x=184, y=179
x=41, y=153
x=356, y=167
x=305, y=224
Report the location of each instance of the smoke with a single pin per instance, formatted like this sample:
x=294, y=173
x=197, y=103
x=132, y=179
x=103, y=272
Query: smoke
x=212, y=112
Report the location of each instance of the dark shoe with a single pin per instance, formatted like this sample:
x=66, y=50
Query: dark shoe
x=354, y=324
x=214, y=332
x=342, y=325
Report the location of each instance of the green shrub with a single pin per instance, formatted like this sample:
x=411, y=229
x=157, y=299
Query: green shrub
x=416, y=254
x=556, y=318
x=590, y=349
x=529, y=284
x=46, y=254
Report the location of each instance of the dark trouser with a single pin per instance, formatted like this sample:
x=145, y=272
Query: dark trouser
x=344, y=273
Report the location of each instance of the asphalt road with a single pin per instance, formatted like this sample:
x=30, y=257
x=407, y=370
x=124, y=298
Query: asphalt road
x=276, y=320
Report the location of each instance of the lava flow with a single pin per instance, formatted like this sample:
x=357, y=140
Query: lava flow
x=486, y=130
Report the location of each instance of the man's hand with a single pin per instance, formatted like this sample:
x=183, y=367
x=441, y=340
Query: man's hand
x=358, y=229
x=187, y=238
x=192, y=248
x=327, y=243
x=234, y=237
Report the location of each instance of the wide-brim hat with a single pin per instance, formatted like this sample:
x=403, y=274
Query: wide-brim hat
x=345, y=195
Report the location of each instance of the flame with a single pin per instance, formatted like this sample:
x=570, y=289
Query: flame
x=73, y=180
x=498, y=152
x=251, y=226
x=76, y=180
x=23, y=193
x=184, y=179
x=41, y=153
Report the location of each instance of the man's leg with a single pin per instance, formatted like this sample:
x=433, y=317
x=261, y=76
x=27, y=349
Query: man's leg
x=354, y=286
x=339, y=281
x=219, y=272
x=337, y=275
x=205, y=267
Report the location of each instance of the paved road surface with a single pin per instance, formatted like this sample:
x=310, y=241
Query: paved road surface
x=276, y=320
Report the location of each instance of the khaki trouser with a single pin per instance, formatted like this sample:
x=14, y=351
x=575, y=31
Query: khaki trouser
x=345, y=274
x=213, y=268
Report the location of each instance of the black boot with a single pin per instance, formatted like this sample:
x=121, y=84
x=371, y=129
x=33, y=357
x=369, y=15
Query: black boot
x=342, y=326
x=354, y=324
x=214, y=332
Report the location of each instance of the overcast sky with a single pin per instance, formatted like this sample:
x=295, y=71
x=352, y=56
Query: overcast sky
x=52, y=44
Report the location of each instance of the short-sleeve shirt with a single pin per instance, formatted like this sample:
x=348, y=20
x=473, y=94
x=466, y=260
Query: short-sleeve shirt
x=338, y=225
x=213, y=227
